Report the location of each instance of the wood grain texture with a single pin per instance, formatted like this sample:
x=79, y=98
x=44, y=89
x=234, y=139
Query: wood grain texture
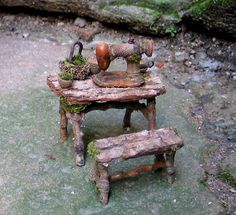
x=137, y=144
x=86, y=91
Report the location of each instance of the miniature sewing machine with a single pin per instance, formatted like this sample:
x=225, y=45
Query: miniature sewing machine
x=132, y=53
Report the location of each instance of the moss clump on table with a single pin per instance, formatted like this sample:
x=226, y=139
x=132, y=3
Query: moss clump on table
x=66, y=76
x=92, y=150
x=77, y=60
x=75, y=108
x=145, y=75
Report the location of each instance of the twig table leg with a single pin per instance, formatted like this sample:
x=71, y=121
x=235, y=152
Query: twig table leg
x=127, y=118
x=63, y=123
x=77, y=120
x=151, y=106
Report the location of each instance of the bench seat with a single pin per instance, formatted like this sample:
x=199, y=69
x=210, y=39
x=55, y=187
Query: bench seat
x=163, y=143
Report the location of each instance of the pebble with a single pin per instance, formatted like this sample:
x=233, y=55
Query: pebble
x=180, y=56
x=201, y=55
x=60, y=24
x=80, y=22
x=25, y=35
x=191, y=57
x=188, y=63
x=9, y=18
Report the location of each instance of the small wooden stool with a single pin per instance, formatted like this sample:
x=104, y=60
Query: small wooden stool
x=163, y=143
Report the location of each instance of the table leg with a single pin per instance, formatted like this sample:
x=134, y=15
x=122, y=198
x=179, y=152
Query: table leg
x=127, y=119
x=63, y=123
x=151, y=107
x=77, y=120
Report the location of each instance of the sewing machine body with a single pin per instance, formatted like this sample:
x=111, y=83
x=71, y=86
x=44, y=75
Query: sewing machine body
x=132, y=53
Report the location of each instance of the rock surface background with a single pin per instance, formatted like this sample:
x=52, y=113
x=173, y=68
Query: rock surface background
x=155, y=17
x=202, y=90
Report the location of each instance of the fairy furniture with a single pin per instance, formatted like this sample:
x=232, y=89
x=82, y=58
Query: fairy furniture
x=104, y=89
x=161, y=143
x=85, y=96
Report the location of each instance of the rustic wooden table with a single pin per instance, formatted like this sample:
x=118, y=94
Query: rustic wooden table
x=84, y=96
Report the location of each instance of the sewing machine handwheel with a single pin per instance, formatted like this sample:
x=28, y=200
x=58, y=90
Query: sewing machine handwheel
x=148, y=47
x=103, y=56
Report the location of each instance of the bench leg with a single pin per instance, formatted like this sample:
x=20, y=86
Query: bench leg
x=77, y=120
x=63, y=123
x=103, y=183
x=159, y=158
x=95, y=173
x=170, y=157
x=127, y=119
x=151, y=107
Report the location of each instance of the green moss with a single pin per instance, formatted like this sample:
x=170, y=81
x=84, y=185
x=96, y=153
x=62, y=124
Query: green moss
x=92, y=150
x=134, y=58
x=160, y=7
x=171, y=30
x=225, y=176
x=79, y=60
x=75, y=108
x=202, y=5
x=204, y=182
x=156, y=14
x=145, y=75
x=102, y=5
x=66, y=75
x=143, y=3
x=67, y=64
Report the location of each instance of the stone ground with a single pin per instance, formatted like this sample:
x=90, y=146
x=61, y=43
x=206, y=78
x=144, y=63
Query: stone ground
x=38, y=174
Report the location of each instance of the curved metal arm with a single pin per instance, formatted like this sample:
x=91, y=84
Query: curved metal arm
x=73, y=49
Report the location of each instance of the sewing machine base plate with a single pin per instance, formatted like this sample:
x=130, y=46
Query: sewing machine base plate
x=118, y=79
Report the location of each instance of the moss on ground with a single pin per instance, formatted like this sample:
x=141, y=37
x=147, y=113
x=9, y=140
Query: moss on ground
x=225, y=176
x=171, y=30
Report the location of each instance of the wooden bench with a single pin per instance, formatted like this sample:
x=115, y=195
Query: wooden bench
x=163, y=143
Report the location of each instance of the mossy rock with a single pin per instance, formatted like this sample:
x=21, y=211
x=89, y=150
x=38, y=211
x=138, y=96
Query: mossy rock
x=204, y=15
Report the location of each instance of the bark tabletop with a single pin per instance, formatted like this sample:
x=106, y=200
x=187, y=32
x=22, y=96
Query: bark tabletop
x=86, y=91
